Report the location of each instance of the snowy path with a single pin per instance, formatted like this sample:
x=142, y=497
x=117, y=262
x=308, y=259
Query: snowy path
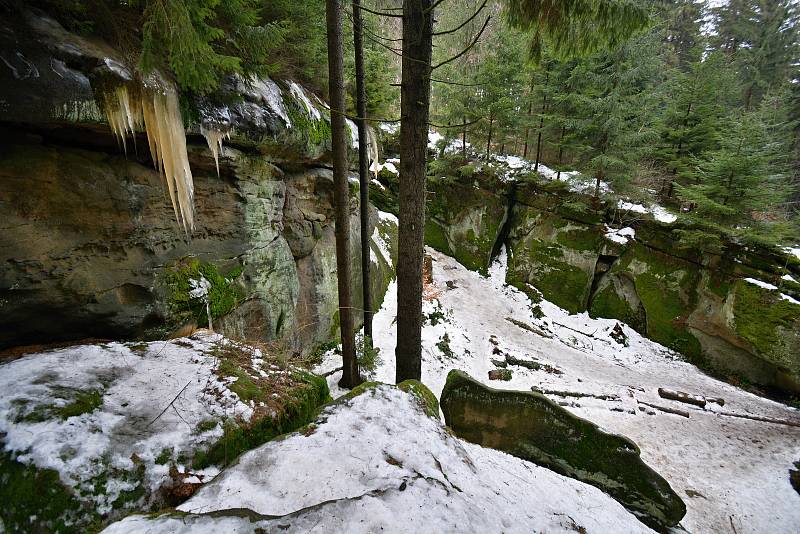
x=731, y=472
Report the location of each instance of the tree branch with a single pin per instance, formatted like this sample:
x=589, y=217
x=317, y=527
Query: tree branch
x=454, y=30
x=426, y=11
x=473, y=43
x=380, y=13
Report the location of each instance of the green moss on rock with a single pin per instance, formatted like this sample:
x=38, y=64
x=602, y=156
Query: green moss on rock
x=300, y=407
x=530, y=426
x=224, y=294
x=36, y=501
x=425, y=396
x=770, y=324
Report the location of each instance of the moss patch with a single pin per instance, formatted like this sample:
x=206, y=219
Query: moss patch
x=78, y=403
x=223, y=295
x=36, y=501
x=770, y=324
x=542, y=265
x=283, y=402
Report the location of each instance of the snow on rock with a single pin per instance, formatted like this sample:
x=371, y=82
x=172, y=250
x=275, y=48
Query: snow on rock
x=377, y=463
x=353, y=129
x=388, y=165
x=728, y=469
x=628, y=206
x=662, y=215
x=390, y=127
x=659, y=213
x=299, y=94
x=620, y=236
x=789, y=298
x=794, y=251
x=761, y=283
x=433, y=139
x=89, y=411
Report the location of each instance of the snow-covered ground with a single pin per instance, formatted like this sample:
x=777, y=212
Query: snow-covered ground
x=732, y=472
x=379, y=464
x=140, y=402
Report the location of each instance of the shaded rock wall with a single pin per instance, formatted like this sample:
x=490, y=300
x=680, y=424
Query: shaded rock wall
x=695, y=302
x=90, y=246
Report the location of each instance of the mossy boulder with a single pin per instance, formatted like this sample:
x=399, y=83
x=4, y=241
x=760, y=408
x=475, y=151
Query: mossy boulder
x=666, y=288
x=770, y=324
x=530, y=426
x=464, y=221
x=427, y=400
x=555, y=255
x=299, y=404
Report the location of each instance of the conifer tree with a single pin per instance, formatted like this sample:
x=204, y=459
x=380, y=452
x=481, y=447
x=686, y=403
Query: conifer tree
x=696, y=102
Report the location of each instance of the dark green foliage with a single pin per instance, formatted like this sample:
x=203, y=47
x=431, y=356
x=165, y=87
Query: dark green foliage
x=444, y=347
x=576, y=27
x=202, y=40
x=197, y=41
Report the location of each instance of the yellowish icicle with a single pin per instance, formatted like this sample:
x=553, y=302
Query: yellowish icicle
x=156, y=110
x=214, y=139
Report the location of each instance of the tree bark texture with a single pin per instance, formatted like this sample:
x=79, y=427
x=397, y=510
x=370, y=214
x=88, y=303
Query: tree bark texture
x=333, y=15
x=363, y=170
x=415, y=100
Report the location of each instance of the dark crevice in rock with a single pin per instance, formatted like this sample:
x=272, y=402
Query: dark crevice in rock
x=506, y=224
x=601, y=268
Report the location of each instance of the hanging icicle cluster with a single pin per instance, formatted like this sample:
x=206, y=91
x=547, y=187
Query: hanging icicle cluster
x=214, y=139
x=129, y=108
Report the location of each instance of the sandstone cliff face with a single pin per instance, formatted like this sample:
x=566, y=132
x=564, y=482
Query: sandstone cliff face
x=695, y=302
x=90, y=246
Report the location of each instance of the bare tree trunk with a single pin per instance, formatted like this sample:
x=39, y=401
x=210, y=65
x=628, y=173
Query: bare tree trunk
x=527, y=122
x=489, y=139
x=415, y=94
x=363, y=171
x=350, y=376
x=541, y=125
x=464, y=138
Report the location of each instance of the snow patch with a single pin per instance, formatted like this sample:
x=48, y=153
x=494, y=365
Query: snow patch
x=621, y=236
x=299, y=95
x=702, y=454
x=761, y=283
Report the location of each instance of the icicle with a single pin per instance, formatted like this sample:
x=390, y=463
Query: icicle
x=156, y=111
x=214, y=139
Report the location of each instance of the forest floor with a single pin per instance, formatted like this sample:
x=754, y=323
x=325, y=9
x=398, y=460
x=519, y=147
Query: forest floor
x=731, y=470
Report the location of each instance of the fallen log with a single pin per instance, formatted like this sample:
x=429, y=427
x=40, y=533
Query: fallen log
x=573, y=394
x=761, y=419
x=680, y=396
x=666, y=409
x=529, y=327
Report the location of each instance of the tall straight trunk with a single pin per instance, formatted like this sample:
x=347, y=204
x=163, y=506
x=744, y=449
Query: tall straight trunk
x=528, y=121
x=541, y=125
x=464, y=137
x=489, y=139
x=560, y=153
x=350, y=376
x=527, y=131
x=363, y=171
x=415, y=95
